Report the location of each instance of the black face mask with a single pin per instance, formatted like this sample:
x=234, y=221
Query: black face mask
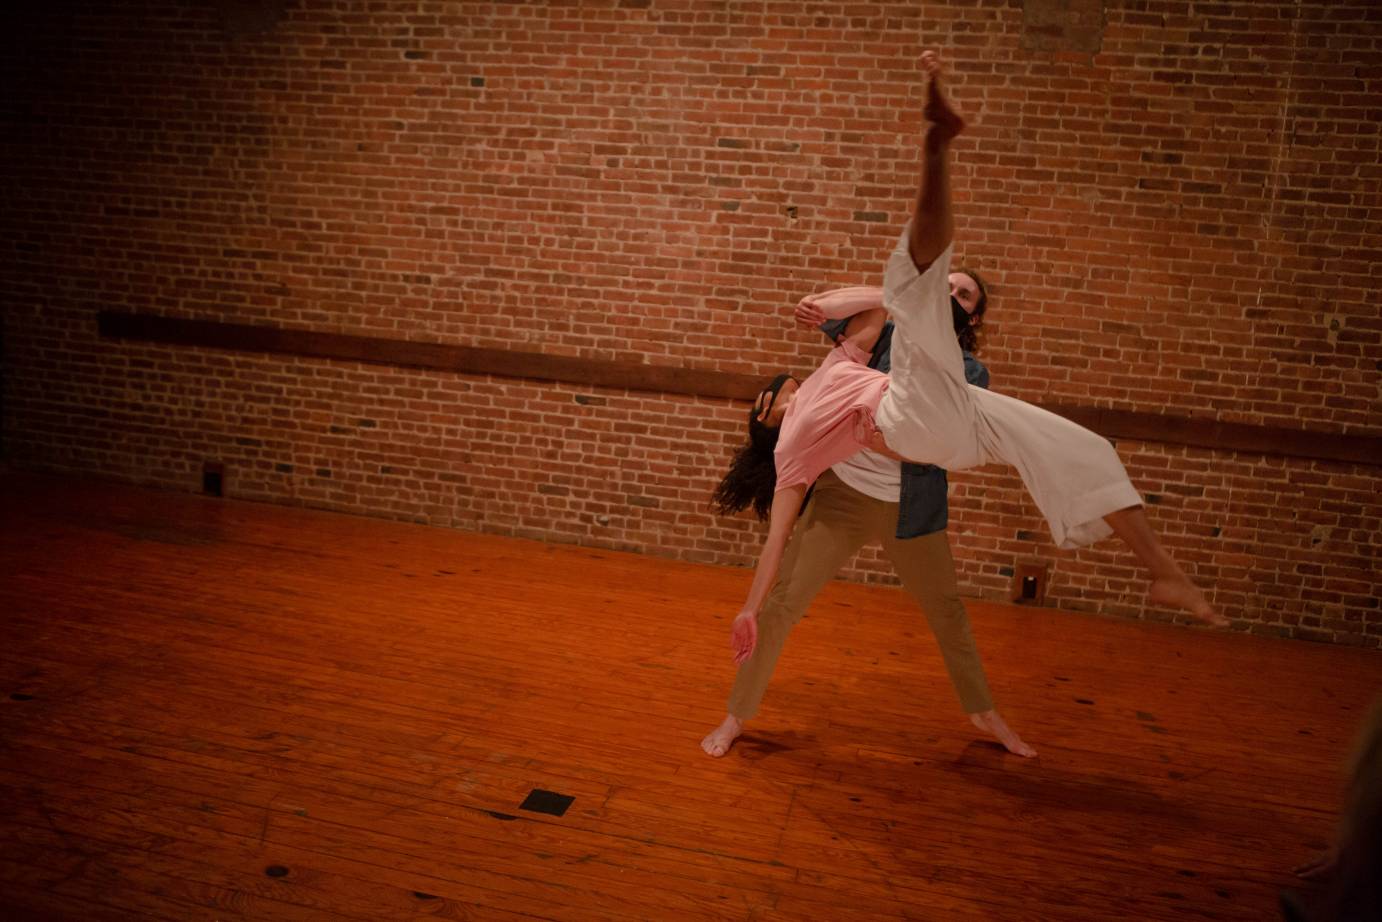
x=958, y=315
x=763, y=436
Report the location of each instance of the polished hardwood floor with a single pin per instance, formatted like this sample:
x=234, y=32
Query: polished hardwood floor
x=222, y=710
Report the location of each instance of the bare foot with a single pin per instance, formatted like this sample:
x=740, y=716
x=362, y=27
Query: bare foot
x=1179, y=592
x=718, y=741
x=945, y=122
x=995, y=726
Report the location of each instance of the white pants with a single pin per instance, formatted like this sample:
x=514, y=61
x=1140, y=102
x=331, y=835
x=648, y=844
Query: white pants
x=932, y=415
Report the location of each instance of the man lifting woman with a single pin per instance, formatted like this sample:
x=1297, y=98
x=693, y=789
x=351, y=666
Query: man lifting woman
x=924, y=412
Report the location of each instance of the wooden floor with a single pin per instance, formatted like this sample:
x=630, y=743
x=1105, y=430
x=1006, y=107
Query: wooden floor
x=222, y=710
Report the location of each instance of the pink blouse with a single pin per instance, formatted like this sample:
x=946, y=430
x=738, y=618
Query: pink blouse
x=831, y=416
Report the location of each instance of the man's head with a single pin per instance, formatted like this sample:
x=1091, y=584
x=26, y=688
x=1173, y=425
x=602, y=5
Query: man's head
x=968, y=302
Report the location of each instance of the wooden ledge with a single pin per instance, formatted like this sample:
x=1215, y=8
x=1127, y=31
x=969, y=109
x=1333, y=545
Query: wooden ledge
x=472, y=360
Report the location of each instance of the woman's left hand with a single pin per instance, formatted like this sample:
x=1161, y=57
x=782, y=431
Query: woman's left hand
x=743, y=636
x=809, y=314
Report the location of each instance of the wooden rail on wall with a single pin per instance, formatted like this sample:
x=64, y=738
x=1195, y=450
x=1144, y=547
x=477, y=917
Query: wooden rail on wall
x=470, y=360
x=1114, y=424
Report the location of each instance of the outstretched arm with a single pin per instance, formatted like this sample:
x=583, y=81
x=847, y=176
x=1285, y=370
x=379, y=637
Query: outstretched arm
x=782, y=518
x=813, y=310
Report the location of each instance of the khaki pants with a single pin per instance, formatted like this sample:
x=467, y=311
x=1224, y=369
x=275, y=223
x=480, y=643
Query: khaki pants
x=839, y=521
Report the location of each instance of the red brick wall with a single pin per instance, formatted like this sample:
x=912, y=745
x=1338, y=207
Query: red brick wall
x=1177, y=204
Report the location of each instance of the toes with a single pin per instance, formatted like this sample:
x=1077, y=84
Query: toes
x=714, y=747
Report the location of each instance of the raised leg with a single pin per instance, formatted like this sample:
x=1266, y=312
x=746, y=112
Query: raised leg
x=933, y=225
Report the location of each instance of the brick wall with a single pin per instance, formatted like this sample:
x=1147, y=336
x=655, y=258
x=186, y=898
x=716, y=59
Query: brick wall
x=1177, y=204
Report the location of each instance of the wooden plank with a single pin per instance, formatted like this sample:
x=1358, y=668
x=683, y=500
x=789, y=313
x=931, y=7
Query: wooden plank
x=1224, y=436
x=471, y=360
x=1110, y=423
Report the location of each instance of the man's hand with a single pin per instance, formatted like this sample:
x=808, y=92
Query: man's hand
x=877, y=443
x=809, y=315
x=743, y=636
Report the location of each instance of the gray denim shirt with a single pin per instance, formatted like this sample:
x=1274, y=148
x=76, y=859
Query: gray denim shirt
x=922, y=507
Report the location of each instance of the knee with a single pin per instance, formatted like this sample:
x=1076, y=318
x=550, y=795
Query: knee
x=774, y=621
x=948, y=619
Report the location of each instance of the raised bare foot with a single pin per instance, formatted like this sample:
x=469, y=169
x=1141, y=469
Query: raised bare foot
x=718, y=741
x=995, y=726
x=1179, y=592
x=945, y=122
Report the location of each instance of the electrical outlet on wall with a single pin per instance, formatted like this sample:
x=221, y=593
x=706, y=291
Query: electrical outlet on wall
x=1029, y=583
x=213, y=478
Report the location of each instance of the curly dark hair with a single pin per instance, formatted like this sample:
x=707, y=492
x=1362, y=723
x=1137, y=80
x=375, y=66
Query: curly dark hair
x=969, y=336
x=752, y=476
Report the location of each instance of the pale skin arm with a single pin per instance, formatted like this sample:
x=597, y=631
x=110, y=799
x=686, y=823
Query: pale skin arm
x=782, y=518
x=813, y=310
x=862, y=305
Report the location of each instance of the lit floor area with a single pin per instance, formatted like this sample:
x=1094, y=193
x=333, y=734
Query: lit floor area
x=215, y=709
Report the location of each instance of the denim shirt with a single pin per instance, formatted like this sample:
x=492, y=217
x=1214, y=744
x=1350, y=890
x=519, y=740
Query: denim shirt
x=922, y=507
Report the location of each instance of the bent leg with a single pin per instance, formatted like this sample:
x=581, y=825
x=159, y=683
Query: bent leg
x=1170, y=586
x=1077, y=480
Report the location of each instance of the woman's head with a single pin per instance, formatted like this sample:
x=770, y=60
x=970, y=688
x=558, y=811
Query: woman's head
x=752, y=476
x=770, y=407
x=968, y=301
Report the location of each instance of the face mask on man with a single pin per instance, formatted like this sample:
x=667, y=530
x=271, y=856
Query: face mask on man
x=959, y=315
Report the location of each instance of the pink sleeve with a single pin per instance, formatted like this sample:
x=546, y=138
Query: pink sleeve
x=792, y=471
x=846, y=351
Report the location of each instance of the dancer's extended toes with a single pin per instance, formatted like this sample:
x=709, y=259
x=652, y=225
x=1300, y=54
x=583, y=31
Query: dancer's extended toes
x=995, y=726
x=718, y=741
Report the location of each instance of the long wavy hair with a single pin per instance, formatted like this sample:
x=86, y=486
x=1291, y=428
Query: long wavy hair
x=752, y=476
x=969, y=336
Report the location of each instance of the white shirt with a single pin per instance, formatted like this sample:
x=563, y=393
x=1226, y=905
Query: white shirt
x=872, y=474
